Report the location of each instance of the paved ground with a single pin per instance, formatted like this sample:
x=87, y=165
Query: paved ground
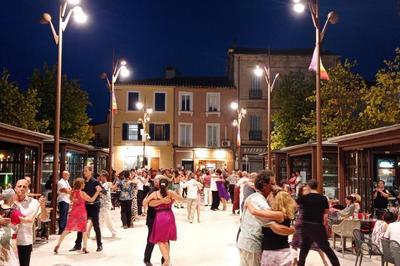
x=209, y=243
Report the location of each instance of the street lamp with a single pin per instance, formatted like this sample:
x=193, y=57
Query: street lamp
x=332, y=18
x=145, y=136
x=241, y=113
x=266, y=72
x=119, y=70
x=80, y=17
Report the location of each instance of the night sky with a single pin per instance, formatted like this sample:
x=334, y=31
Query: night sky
x=191, y=35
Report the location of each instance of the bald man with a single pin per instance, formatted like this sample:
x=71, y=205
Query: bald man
x=63, y=200
x=30, y=208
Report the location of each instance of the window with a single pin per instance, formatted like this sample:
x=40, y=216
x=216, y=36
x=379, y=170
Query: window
x=213, y=102
x=133, y=98
x=255, y=132
x=159, y=132
x=160, y=101
x=185, y=135
x=185, y=103
x=131, y=131
x=255, y=91
x=212, y=135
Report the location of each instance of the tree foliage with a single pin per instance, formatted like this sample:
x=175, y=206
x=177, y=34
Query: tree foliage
x=19, y=108
x=289, y=98
x=383, y=99
x=341, y=104
x=74, y=101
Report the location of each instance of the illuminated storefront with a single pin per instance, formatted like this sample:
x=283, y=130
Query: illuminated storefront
x=203, y=158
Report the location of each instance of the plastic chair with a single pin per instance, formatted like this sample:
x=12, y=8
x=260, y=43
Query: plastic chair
x=364, y=246
x=344, y=230
x=387, y=253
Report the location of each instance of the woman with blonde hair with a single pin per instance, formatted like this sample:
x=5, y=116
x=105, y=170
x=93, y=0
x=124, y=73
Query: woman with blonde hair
x=275, y=245
x=77, y=218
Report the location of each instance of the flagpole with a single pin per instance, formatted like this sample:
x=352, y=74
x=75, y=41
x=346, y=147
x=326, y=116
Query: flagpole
x=319, y=161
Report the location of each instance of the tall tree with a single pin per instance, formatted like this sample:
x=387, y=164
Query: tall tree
x=289, y=102
x=19, y=108
x=342, y=103
x=74, y=102
x=383, y=99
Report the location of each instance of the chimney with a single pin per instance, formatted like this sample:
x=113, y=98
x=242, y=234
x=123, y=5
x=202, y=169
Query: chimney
x=170, y=72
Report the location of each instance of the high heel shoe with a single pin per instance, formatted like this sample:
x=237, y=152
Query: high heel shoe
x=56, y=249
x=84, y=251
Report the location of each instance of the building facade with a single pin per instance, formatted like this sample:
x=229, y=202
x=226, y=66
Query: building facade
x=252, y=92
x=204, y=132
x=129, y=147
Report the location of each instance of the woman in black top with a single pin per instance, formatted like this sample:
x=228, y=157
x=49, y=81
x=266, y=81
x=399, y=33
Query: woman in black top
x=380, y=196
x=275, y=245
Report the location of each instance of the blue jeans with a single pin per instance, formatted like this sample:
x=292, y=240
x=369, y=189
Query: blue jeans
x=63, y=208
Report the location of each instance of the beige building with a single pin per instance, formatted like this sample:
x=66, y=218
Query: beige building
x=129, y=149
x=252, y=92
x=203, y=131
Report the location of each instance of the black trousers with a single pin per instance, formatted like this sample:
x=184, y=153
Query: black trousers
x=63, y=208
x=150, y=246
x=126, y=212
x=232, y=191
x=140, y=198
x=93, y=211
x=313, y=232
x=24, y=255
x=215, y=200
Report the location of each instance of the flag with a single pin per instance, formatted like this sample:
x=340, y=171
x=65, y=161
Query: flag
x=114, y=103
x=313, y=66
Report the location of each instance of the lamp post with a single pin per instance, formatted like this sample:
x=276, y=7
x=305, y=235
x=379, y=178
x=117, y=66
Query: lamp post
x=266, y=72
x=119, y=70
x=332, y=18
x=241, y=113
x=80, y=17
x=145, y=136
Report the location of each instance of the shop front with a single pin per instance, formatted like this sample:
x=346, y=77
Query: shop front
x=302, y=159
x=204, y=159
x=131, y=157
x=20, y=155
x=367, y=157
x=98, y=158
x=252, y=158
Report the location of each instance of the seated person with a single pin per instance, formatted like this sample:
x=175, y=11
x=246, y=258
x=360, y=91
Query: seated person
x=380, y=227
x=393, y=231
x=337, y=215
x=357, y=202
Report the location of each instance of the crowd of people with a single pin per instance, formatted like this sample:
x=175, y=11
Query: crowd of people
x=269, y=213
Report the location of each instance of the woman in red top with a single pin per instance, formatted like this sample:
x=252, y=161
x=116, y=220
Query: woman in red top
x=77, y=218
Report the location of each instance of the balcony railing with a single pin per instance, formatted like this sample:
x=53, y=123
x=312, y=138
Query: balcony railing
x=255, y=94
x=255, y=135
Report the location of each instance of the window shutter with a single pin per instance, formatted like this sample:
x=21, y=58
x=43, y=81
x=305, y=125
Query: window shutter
x=124, y=131
x=166, y=130
x=140, y=127
x=151, y=132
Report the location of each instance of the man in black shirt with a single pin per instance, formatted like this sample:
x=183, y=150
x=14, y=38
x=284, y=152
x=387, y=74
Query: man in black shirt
x=92, y=208
x=315, y=211
x=151, y=215
x=380, y=196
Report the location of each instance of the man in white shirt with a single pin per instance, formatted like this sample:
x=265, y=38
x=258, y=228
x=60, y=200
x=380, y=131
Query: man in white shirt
x=30, y=208
x=193, y=187
x=140, y=193
x=393, y=231
x=214, y=192
x=63, y=200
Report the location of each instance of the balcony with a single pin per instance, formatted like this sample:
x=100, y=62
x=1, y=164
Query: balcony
x=255, y=135
x=255, y=94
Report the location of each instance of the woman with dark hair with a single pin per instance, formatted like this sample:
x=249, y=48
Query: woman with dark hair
x=296, y=240
x=222, y=192
x=380, y=227
x=164, y=227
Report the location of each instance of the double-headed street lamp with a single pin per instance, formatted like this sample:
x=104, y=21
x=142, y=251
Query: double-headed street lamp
x=241, y=113
x=145, y=136
x=80, y=17
x=299, y=7
x=119, y=70
x=266, y=72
